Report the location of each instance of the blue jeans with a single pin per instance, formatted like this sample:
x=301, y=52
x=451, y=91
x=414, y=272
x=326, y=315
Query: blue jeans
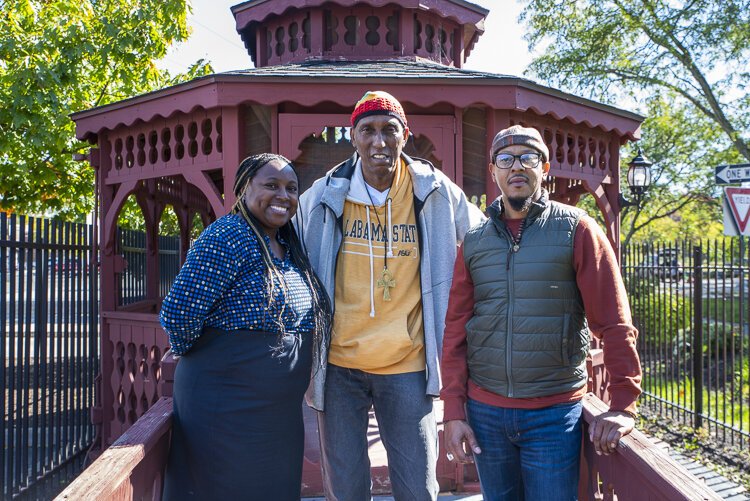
x=527, y=453
x=407, y=428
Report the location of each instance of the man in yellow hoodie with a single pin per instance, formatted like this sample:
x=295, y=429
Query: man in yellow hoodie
x=381, y=231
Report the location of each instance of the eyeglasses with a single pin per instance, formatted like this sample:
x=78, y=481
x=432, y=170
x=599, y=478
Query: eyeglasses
x=527, y=160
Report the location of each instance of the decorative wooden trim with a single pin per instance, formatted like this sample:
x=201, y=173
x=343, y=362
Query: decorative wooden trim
x=228, y=90
x=458, y=134
x=110, y=219
x=203, y=182
x=233, y=152
x=457, y=10
x=439, y=129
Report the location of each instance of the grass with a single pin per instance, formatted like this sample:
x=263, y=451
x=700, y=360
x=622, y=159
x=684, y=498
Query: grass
x=728, y=310
x=722, y=405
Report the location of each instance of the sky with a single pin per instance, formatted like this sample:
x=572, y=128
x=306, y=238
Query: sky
x=215, y=39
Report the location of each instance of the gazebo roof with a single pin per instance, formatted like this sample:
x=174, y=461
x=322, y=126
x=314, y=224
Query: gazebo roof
x=396, y=68
x=421, y=83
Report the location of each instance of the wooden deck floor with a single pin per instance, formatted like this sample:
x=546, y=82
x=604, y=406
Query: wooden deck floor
x=312, y=483
x=312, y=489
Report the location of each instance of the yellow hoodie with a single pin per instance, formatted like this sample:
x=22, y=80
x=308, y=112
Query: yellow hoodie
x=371, y=333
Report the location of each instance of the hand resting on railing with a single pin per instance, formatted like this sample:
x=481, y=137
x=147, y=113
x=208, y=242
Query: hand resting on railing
x=606, y=430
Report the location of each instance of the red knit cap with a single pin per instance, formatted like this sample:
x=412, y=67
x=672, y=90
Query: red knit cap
x=377, y=102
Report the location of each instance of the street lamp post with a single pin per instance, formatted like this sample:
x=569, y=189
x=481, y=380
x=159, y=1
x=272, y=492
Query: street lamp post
x=639, y=179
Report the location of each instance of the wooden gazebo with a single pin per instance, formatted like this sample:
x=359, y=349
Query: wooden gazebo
x=314, y=59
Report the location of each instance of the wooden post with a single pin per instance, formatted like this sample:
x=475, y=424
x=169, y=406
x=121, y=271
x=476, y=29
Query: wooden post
x=102, y=413
x=233, y=151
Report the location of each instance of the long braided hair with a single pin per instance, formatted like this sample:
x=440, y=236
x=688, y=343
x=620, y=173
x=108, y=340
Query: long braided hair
x=321, y=305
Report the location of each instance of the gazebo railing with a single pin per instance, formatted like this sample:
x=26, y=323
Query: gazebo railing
x=133, y=467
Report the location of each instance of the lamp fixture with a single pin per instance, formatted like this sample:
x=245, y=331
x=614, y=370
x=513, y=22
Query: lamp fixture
x=639, y=179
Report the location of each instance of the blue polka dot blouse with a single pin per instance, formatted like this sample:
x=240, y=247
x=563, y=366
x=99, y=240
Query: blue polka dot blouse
x=223, y=284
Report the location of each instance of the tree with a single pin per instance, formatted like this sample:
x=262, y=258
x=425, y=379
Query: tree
x=62, y=56
x=682, y=63
x=684, y=146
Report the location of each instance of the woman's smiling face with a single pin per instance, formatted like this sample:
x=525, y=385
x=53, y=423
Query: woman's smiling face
x=272, y=195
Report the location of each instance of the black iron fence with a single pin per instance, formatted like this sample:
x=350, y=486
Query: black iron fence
x=49, y=344
x=691, y=305
x=49, y=348
x=132, y=246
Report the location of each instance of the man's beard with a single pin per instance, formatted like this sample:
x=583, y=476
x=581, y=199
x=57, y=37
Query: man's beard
x=520, y=204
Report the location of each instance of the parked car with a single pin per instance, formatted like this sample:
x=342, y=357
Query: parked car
x=67, y=265
x=663, y=264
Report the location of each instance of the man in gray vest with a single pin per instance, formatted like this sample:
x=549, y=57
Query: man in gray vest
x=529, y=286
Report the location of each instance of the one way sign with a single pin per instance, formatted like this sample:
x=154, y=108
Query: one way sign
x=728, y=174
x=736, y=211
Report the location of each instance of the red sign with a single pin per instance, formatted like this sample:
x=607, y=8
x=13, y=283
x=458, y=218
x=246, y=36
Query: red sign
x=738, y=201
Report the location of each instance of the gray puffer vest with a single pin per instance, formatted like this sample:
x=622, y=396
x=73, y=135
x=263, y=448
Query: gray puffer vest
x=528, y=336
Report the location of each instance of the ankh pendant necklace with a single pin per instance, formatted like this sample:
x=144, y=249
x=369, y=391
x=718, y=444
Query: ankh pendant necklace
x=386, y=280
x=386, y=283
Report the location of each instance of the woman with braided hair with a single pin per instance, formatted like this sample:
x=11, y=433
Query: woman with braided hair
x=247, y=317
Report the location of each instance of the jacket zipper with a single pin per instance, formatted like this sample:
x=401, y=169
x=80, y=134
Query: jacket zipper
x=339, y=227
x=509, y=327
x=418, y=204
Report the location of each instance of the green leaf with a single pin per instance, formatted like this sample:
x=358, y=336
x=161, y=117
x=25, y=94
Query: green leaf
x=62, y=56
x=684, y=65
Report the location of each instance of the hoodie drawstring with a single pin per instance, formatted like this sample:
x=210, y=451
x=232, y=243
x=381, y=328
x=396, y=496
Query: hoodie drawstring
x=388, y=223
x=372, y=267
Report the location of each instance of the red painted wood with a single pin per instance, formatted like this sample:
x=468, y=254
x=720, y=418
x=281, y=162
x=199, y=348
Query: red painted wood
x=459, y=53
x=276, y=34
x=460, y=12
x=165, y=147
x=133, y=467
x=232, y=90
x=233, y=152
x=639, y=469
x=458, y=124
x=109, y=293
x=137, y=344
x=439, y=129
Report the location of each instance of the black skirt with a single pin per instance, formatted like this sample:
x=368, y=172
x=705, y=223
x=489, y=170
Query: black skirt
x=237, y=432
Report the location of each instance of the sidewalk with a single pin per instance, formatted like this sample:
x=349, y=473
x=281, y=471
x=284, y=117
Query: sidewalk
x=728, y=490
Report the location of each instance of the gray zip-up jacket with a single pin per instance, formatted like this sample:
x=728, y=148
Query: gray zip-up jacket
x=443, y=216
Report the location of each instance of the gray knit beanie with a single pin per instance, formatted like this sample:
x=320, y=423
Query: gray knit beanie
x=518, y=134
